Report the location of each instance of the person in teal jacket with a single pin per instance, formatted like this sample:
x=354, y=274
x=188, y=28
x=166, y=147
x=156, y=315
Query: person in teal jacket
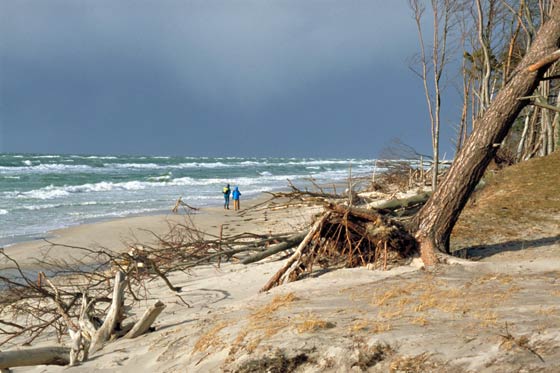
x=236, y=194
x=226, y=191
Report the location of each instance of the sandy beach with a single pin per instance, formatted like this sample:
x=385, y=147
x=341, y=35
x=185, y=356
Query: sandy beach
x=397, y=165
x=498, y=313
x=118, y=234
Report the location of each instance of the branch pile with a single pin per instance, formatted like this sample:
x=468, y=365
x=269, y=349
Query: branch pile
x=348, y=237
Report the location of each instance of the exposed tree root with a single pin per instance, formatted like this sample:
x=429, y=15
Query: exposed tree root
x=349, y=237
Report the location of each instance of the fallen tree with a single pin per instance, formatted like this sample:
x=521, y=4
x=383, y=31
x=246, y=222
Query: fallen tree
x=433, y=224
x=431, y=227
x=349, y=237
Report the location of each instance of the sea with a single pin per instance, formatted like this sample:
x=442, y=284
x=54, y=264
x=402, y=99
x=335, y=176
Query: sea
x=43, y=192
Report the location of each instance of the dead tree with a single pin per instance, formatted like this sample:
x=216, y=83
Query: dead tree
x=435, y=221
x=442, y=11
x=346, y=236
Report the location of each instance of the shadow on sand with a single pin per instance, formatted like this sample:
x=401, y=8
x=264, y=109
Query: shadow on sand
x=485, y=251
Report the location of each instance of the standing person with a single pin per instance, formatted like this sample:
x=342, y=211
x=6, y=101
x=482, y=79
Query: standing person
x=236, y=194
x=226, y=191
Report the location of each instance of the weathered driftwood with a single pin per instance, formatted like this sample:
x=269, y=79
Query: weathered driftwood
x=77, y=345
x=399, y=203
x=179, y=203
x=114, y=315
x=34, y=356
x=290, y=242
x=275, y=280
x=146, y=320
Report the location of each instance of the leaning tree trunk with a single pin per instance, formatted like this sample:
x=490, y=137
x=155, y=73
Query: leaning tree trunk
x=435, y=221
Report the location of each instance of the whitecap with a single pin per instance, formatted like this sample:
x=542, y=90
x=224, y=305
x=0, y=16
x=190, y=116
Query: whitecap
x=132, y=165
x=51, y=191
x=159, y=178
x=98, y=157
x=47, y=168
x=3, y=212
x=48, y=192
x=40, y=207
x=47, y=156
x=27, y=162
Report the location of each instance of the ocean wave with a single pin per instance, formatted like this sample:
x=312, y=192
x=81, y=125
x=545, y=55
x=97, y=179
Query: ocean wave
x=112, y=214
x=57, y=205
x=3, y=212
x=133, y=165
x=51, y=191
x=41, y=207
x=42, y=168
x=46, y=206
x=94, y=156
x=159, y=178
x=46, y=156
x=48, y=192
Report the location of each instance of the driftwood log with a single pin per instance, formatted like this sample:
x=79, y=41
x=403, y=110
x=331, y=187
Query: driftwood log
x=114, y=315
x=290, y=242
x=401, y=203
x=34, y=356
x=146, y=321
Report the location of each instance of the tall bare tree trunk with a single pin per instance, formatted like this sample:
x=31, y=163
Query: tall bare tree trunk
x=435, y=221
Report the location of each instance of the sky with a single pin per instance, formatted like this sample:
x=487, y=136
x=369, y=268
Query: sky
x=295, y=78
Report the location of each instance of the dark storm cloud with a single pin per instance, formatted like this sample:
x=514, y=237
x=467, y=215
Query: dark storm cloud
x=184, y=76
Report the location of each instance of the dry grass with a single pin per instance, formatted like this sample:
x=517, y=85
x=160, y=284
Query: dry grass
x=419, y=321
x=412, y=364
x=313, y=325
x=493, y=277
x=261, y=324
x=431, y=298
x=359, y=325
x=548, y=311
x=210, y=339
x=512, y=202
x=487, y=318
x=277, y=302
x=308, y=323
x=370, y=326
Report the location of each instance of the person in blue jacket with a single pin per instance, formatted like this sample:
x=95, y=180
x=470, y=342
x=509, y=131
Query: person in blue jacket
x=226, y=191
x=236, y=194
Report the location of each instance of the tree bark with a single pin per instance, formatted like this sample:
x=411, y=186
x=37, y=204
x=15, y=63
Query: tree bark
x=435, y=221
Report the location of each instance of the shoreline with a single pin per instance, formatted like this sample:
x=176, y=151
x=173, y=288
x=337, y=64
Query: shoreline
x=118, y=234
